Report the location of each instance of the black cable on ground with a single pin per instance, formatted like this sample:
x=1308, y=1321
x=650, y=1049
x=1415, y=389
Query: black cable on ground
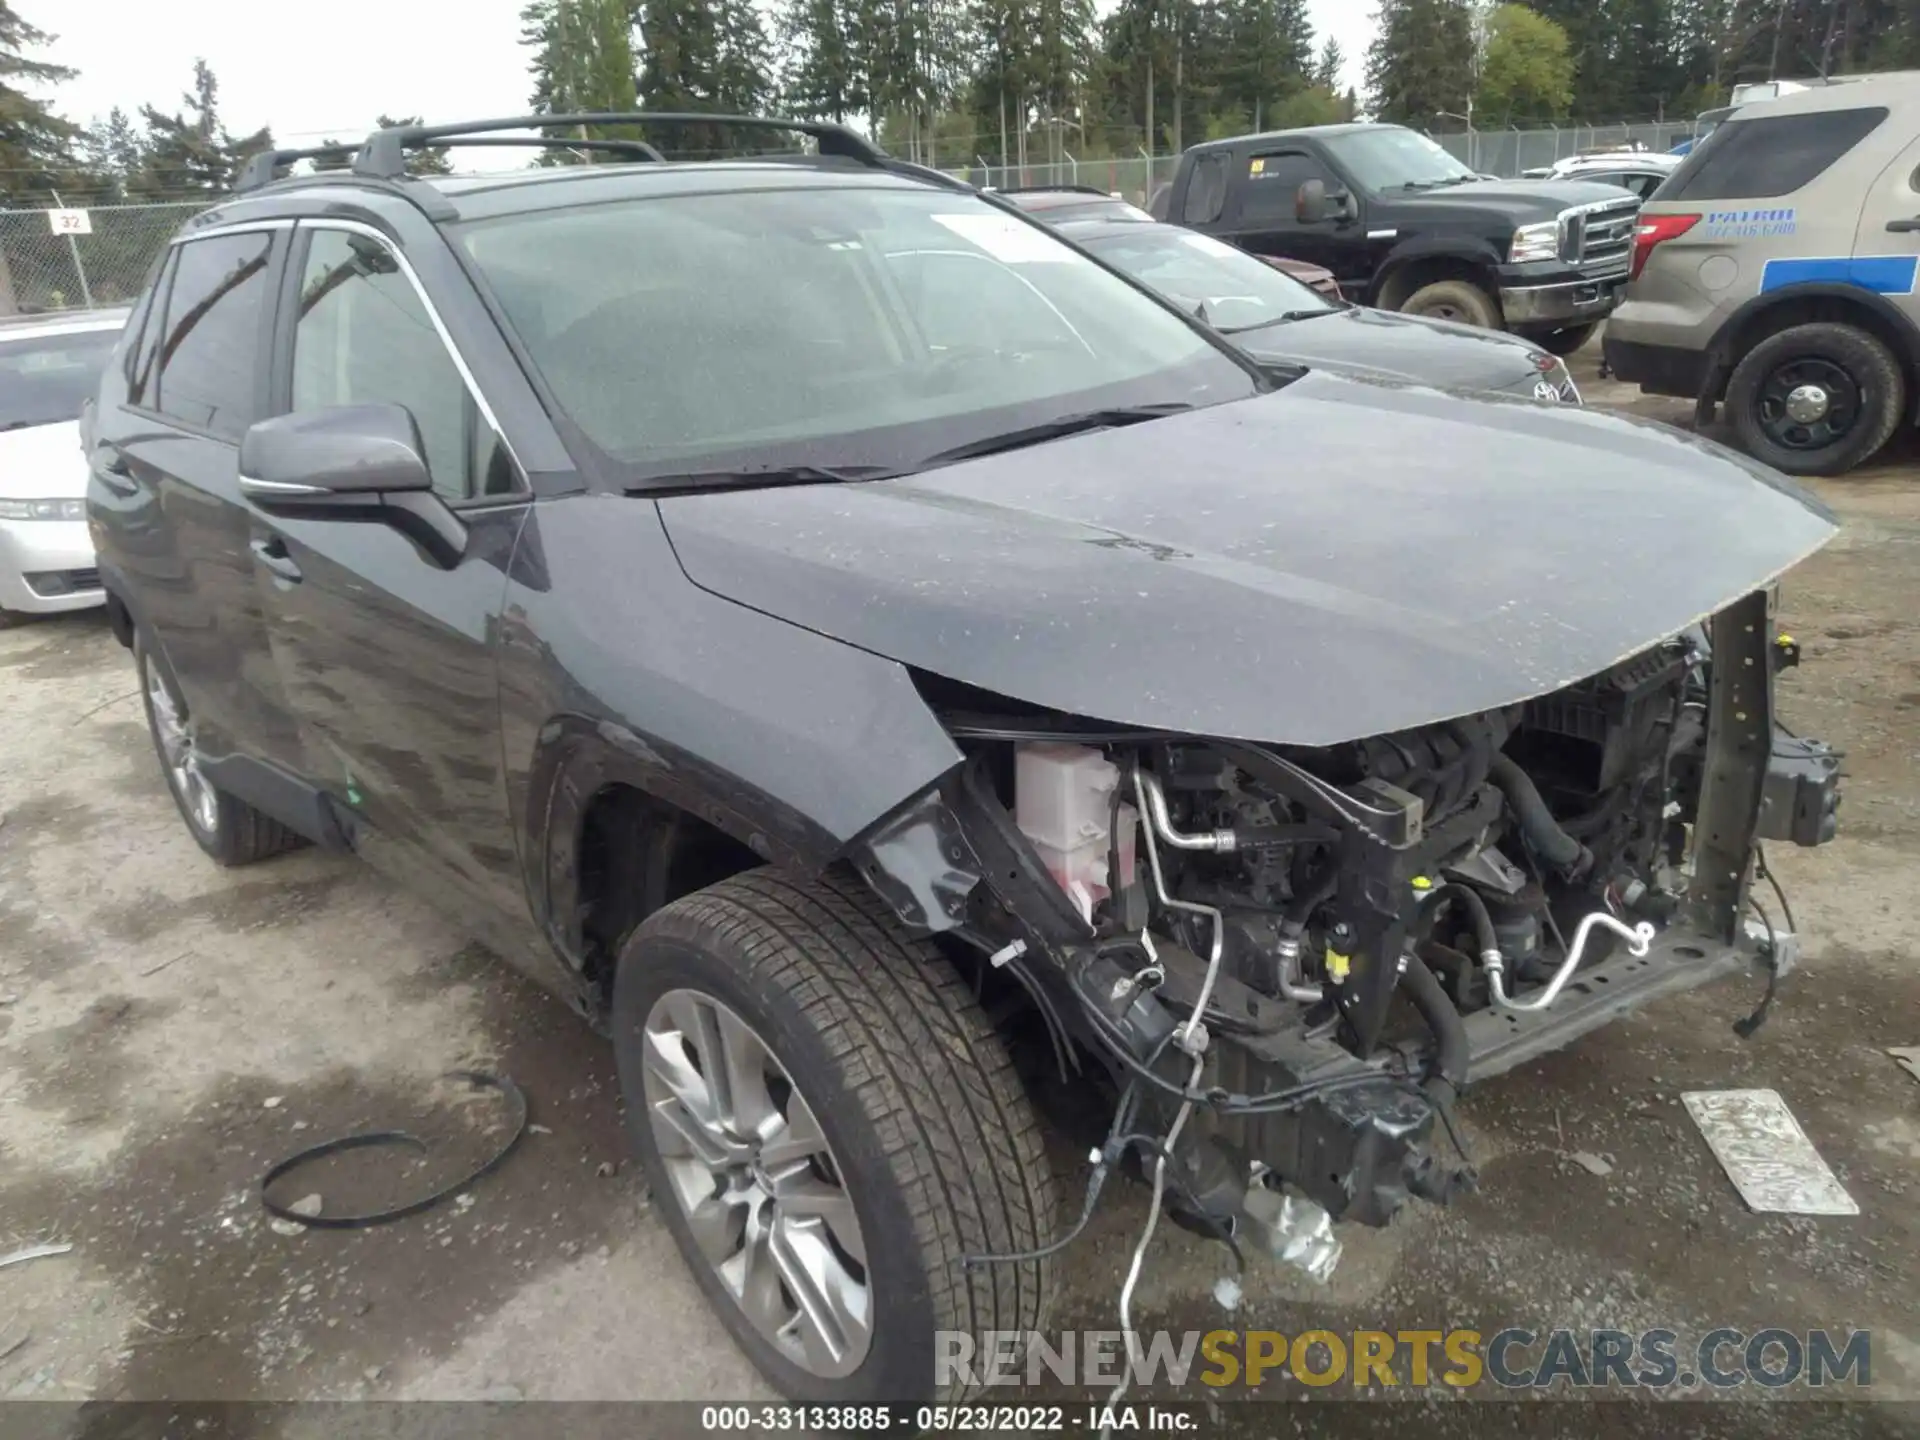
x=1747, y=1028
x=479, y=1079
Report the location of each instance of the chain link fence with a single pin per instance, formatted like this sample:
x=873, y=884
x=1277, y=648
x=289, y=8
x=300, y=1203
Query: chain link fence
x=1508, y=153
x=42, y=270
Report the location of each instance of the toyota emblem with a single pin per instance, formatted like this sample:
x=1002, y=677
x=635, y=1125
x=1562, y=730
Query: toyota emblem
x=1547, y=390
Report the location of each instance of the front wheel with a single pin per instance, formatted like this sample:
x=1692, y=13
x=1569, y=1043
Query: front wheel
x=1460, y=301
x=1816, y=399
x=830, y=1126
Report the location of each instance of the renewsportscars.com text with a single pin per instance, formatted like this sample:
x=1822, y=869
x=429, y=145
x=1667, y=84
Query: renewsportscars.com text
x=1509, y=1359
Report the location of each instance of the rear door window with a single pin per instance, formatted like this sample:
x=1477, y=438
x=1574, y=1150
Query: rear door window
x=1206, y=191
x=209, y=361
x=1770, y=155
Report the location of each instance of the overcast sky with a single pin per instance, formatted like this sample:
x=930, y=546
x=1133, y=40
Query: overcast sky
x=329, y=73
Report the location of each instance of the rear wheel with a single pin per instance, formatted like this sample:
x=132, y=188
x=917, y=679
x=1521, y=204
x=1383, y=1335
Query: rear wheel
x=830, y=1125
x=231, y=831
x=1458, y=300
x=1816, y=399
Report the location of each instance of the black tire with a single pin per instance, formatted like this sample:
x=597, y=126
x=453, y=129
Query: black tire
x=229, y=830
x=1458, y=300
x=1866, y=387
x=1565, y=342
x=930, y=1130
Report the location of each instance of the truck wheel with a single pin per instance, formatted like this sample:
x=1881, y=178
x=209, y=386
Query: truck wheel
x=1565, y=342
x=1458, y=300
x=1816, y=399
x=829, y=1124
x=231, y=831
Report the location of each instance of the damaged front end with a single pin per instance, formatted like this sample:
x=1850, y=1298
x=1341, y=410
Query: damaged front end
x=1291, y=961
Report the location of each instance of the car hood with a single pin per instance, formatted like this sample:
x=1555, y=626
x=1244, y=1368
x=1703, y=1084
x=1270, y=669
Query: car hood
x=1523, y=201
x=1339, y=559
x=1401, y=347
x=42, y=462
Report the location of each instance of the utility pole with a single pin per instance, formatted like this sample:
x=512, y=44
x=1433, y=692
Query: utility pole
x=1179, y=72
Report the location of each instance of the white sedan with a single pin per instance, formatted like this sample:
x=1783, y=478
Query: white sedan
x=49, y=367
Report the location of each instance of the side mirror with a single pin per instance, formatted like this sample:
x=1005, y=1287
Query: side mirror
x=322, y=459
x=1314, y=203
x=351, y=462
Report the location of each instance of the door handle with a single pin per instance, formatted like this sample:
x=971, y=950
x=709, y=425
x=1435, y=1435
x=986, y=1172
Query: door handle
x=1903, y=227
x=271, y=551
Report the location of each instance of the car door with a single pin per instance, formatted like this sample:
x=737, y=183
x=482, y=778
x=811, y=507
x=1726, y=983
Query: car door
x=1263, y=217
x=387, y=656
x=166, y=459
x=1888, y=237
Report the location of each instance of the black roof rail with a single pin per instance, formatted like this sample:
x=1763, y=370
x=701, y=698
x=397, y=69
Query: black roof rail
x=383, y=155
x=259, y=169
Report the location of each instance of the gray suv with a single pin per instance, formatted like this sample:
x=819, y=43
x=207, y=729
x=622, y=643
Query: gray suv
x=1775, y=272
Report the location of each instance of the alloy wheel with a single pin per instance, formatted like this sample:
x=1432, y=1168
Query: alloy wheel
x=762, y=1193
x=174, y=730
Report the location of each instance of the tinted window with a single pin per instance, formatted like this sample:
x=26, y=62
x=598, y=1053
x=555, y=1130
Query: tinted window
x=45, y=379
x=1206, y=190
x=1759, y=158
x=829, y=326
x=152, y=320
x=363, y=336
x=1272, y=183
x=209, y=361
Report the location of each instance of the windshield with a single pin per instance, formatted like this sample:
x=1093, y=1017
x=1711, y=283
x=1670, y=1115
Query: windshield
x=1391, y=158
x=45, y=379
x=833, y=327
x=1226, y=287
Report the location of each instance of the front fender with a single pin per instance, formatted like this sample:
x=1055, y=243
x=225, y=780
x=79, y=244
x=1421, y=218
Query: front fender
x=788, y=741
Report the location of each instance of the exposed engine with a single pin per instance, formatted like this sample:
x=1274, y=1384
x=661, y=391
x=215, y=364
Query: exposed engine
x=1291, y=961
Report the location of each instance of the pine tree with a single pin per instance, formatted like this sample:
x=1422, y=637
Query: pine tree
x=822, y=78
x=1328, y=68
x=1267, y=58
x=190, y=152
x=112, y=154
x=1422, y=62
x=583, y=62
x=36, y=146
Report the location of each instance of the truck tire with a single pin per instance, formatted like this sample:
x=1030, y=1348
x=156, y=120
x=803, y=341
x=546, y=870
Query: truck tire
x=1816, y=399
x=1458, y=300
x=229, y=830
x=830, y=1126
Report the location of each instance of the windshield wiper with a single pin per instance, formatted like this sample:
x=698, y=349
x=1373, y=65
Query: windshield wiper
x=763, y=477
x=1055, y=430
x=1284, y=319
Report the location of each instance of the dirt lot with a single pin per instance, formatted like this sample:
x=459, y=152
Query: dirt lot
x=168, y=1029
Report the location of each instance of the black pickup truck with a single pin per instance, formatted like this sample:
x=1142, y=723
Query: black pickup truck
x=1403, y=225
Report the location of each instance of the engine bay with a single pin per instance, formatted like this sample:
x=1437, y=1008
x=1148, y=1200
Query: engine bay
x=1289, y=963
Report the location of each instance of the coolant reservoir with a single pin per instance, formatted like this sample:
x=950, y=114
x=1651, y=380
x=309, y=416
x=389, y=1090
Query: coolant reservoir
x=1063, y=802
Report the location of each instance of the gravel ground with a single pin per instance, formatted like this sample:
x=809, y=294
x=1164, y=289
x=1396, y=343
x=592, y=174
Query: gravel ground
x=168, y=1029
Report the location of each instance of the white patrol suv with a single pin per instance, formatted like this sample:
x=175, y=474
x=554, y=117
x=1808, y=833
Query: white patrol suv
x=1775, y=272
